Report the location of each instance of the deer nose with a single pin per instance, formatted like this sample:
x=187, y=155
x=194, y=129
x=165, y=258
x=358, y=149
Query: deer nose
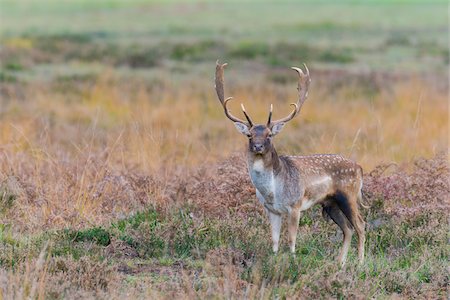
x=258, y=148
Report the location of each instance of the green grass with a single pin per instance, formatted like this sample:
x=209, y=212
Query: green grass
x=399, y=253
x=148, y=33
x=97, y=234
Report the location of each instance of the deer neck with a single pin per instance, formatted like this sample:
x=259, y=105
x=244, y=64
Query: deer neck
x=264, y=170
x=267, y=162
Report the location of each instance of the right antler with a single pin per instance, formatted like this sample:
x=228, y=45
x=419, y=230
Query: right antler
x=220, y=94
x=303, y=85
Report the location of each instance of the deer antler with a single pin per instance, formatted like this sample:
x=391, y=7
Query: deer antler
x=303, y=85
x=220, y=94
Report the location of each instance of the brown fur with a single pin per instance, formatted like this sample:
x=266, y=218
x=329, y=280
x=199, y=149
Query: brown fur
x=341, y=203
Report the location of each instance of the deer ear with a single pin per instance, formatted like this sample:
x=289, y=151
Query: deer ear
x=242, y=128
x=277, y=128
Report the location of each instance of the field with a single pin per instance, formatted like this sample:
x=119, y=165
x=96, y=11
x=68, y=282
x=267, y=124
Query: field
x=121, y=177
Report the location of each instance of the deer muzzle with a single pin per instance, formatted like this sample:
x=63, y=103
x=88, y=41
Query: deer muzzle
x=258, y=148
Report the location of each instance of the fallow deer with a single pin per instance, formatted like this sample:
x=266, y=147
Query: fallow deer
x=287, y=185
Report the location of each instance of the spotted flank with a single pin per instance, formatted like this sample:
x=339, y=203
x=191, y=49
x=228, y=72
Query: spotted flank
x=342, y=172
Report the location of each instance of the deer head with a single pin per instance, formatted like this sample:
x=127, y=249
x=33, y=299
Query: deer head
x=260, y=135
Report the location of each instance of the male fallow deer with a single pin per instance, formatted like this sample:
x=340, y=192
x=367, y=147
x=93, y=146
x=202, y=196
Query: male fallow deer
x=287, y=185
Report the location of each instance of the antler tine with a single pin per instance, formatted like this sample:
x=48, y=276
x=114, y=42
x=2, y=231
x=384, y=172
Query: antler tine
x=246, y=115
x=219, y=85
x=269, y=120
x=307, y=70
x=230, y=116
x=303, y=85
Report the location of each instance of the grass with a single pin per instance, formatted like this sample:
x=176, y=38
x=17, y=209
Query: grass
x=147, y=28
x=121, y=178
x=404, y=256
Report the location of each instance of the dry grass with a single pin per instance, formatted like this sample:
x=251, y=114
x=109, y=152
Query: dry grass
x=110, y=148
x=423, y=189
x=105, y=150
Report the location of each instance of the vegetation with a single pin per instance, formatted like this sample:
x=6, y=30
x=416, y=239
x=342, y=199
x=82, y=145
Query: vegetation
x=121, y=178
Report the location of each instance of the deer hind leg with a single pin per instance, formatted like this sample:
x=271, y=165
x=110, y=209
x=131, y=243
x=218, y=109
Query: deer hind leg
x=275, y=223
x=333, y=210
x=294, y=217
x=349, y=206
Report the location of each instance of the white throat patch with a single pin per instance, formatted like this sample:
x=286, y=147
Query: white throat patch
x=258, y=165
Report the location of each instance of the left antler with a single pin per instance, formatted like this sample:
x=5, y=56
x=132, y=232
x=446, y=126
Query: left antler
x=220, y=94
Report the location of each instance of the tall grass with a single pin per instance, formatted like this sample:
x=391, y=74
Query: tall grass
x=60, y=148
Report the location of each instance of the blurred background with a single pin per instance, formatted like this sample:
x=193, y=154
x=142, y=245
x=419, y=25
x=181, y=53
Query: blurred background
x=144, y=70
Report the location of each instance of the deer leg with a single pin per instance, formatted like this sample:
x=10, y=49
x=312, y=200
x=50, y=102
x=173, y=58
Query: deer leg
x=332, y=209
x=349, y=206
x=360, y=231
x=294, y=217
x=275, y=223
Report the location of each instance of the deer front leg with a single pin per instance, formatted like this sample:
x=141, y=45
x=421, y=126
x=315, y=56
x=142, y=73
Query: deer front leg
x=275, y=223
x=294, y=218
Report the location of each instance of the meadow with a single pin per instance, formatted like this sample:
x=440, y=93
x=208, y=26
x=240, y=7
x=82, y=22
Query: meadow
x=121, y=177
